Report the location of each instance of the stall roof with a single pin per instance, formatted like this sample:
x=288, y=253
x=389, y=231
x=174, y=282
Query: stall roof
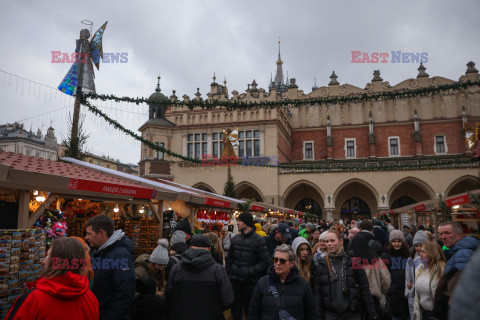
x=264, y=207
x=427, y=205
x=26, y=173
x=184, y=193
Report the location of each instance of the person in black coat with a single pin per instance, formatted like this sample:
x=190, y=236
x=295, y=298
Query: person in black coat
x=246, y=263
x=114, y=272
x=198, y=287
x=294, y=292
x=366, y=230
x=396, y=260
x=341, y=292
x=148, y=305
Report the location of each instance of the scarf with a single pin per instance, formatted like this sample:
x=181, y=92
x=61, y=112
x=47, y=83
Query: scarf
x=333, y=272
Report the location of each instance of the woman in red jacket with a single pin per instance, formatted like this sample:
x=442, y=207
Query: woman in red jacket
x=62, y=290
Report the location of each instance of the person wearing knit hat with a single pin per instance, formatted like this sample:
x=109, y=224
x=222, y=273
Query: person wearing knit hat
x=177, y=247
x=153, y=266
x=320, y=249
x=177, y=236
x=247, y=218
x=396, y=235
x=396, y=258
x=247, y=261
x=413, y=262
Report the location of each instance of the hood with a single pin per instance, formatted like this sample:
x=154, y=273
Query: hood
x=118, y=235
x=180, y=247
x=197, y=259
x=467, y=243
x=258, y=227
x=367, y=234
x=297, y=242
x=66, y=287
x=294, y=273
x=142, y=260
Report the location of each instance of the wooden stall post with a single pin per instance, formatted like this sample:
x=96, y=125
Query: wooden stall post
x=23, y=209
x=157, y=209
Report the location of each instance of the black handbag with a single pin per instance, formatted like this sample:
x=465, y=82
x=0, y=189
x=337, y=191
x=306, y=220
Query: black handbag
x=282, y=313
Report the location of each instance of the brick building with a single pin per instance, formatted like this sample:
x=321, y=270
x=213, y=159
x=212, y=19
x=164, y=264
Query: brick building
x=336, y=160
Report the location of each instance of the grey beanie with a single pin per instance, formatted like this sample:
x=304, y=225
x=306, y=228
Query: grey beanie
x=160, y=254
x=310, y=225
x=420, y=237
x=177, y=236
x=396, y=235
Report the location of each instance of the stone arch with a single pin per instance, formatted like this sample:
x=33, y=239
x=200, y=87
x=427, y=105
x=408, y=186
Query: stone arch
x=356, y=189
x=462, y=185
x=410, y=187
x=299, y=192
x=204, y=186
x=248, y=190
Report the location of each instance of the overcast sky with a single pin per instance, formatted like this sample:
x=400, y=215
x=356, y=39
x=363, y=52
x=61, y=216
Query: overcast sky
x=186, y=41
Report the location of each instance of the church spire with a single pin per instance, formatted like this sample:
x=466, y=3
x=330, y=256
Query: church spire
x=279, y=80
x=158, y=85
x=279, y=60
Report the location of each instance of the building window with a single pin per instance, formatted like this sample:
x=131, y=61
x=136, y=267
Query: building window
x=350, y=148
x=308, y=150
x=159, y=154
x=440, y=144
x=217, y=144
x=394, y=146
x=249, y=143
x=197, y=145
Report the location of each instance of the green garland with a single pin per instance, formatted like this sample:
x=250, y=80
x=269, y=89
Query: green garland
x=149, y=143
x=187, y=161
x=233, y=105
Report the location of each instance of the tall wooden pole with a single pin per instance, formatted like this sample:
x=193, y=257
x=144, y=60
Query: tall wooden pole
x=83, y=51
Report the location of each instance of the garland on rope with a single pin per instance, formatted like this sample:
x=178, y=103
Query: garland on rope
x=149, y=143
x=232, y=105
x=189, y=162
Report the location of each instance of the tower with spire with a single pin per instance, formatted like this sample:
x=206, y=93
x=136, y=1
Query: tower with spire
x=278, y=83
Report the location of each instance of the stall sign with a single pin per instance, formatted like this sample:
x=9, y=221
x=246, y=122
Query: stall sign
x=103, y=187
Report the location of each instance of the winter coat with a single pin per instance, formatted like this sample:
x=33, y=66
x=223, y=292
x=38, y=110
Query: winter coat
x=372, y=243
x=179, y=249
x=378, y=279
x=410, y=274
x=259, y=231
x=295, y=295
x=114, y=281
x=465, y=298
x=396, y=263
x=425, y=286
x=198, y=288
x=143, y=272
x=247, y=259
x=380, y=235
x=57, y=298
x=461, y=253
x=359, y=296
x=294, y=233
x=272, y=243
x=442, y=295
x=226, y=242
x=149, y=307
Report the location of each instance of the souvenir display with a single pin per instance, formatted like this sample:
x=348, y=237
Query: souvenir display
x=21, y=260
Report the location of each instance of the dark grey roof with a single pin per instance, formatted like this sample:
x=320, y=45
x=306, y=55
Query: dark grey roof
x=158, y=96
x=160, y=122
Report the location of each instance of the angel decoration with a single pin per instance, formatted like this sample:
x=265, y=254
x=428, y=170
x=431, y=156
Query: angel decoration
x=230, y=143
x=81, y=72
x=472, y=138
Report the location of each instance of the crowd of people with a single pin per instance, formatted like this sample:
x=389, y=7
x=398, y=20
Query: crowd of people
x=342, y=270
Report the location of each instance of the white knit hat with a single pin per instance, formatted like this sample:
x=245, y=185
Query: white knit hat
x=160, y=254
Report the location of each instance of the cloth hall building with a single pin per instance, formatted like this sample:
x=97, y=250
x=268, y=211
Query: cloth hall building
x=336, y=160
